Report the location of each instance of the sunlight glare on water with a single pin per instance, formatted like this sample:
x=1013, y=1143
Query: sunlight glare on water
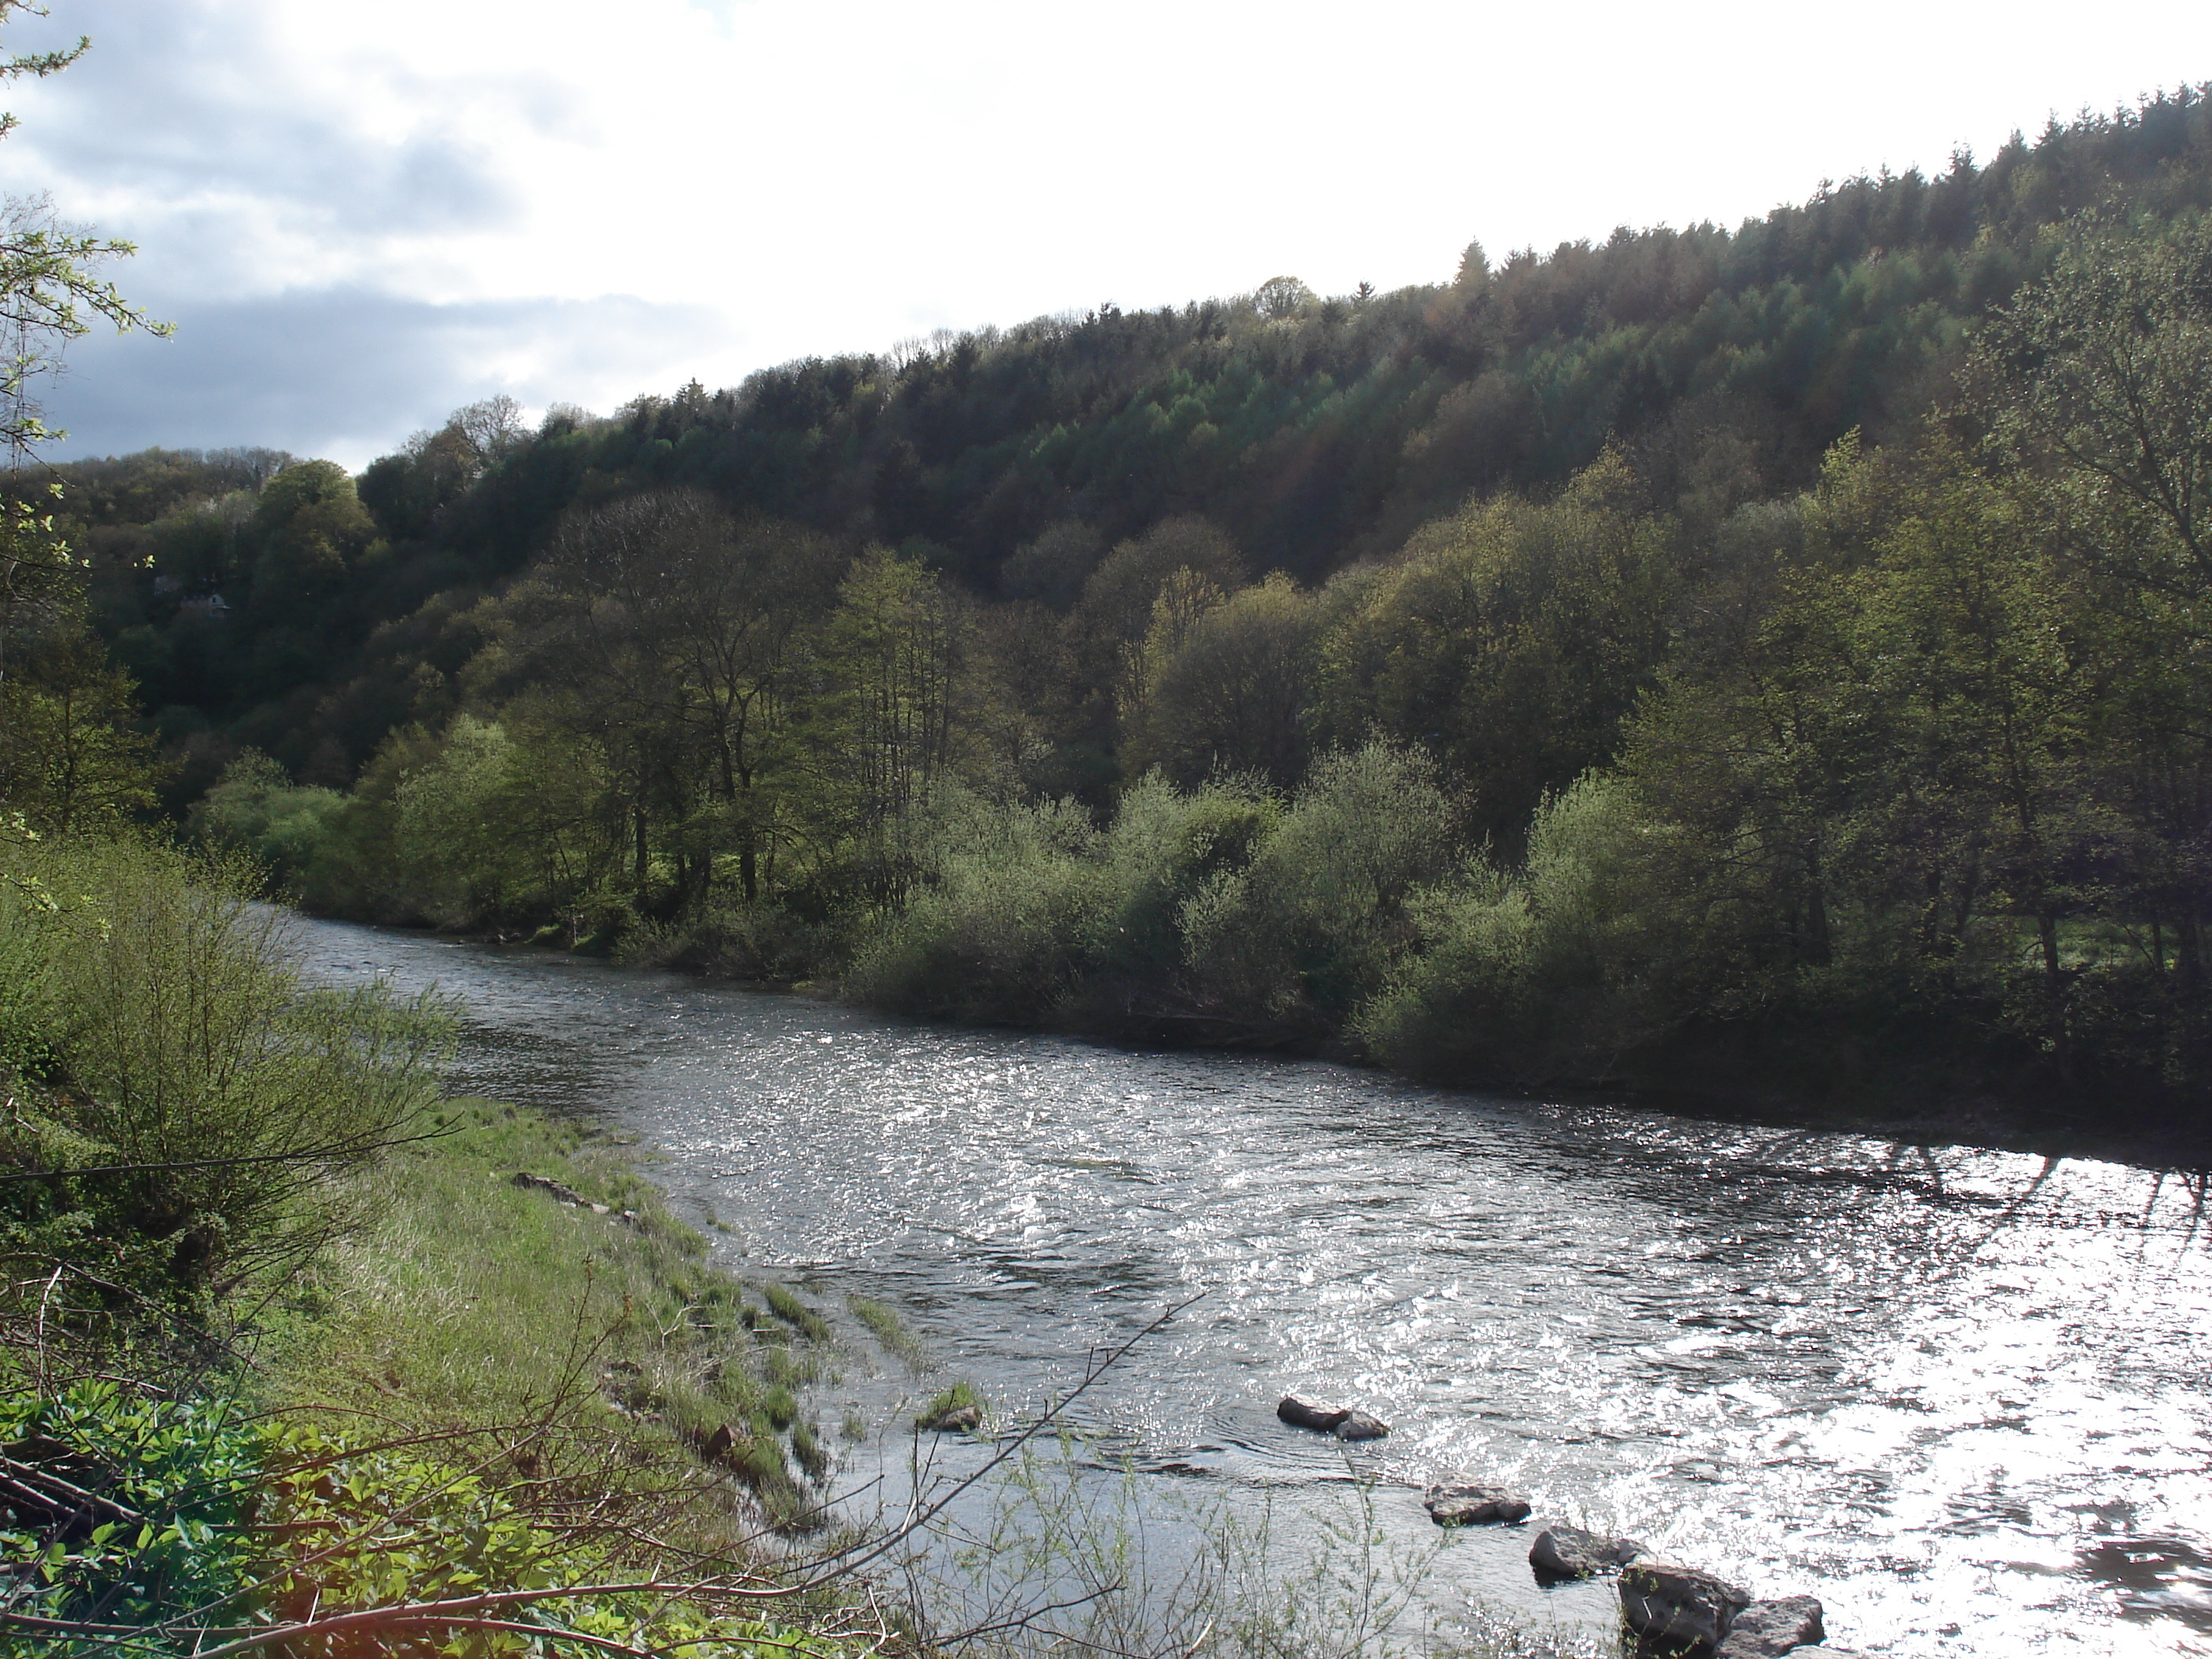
x=1962, y=1396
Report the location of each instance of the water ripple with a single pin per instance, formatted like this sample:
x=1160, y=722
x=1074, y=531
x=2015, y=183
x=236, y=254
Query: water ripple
x=1966, y=1396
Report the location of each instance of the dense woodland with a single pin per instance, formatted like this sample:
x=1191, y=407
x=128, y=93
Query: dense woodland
x=1767, y=662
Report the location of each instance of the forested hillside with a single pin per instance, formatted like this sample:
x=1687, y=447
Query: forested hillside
x=1763, y=660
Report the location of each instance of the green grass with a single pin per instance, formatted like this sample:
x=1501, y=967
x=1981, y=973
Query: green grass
x=885, y=1326
x=470, y=1302
x=946, y=1408
x=796, y=1314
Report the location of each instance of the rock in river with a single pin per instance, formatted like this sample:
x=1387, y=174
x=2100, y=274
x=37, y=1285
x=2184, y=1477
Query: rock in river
x=1767, y=1630
x=1358, y=1425
x=1670, y=1601
x=1473, y=1505
x=1310, y=1414
x=1564, y=1552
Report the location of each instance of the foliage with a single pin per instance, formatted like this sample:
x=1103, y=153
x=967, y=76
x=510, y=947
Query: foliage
x=189, y=1527
x=1725, y=362
x=1297, y=938
x=2101, y=380
x=1221, y=684
x=1561, y=969
x=256, y=809
x=190, y=1108
x=995, y=930
x=1511, y=639
x=164, y=1530
x=1775, y=655
x=72, y=759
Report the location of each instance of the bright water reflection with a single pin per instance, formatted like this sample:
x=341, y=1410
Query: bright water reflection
x=1961, y=1395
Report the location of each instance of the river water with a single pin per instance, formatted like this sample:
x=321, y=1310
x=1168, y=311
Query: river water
x=1964, y=1396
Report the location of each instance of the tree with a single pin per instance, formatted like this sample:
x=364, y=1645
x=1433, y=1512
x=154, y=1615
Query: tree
x=1280, y=299
x=2096, y=383
x=68, y=756
x=50, y=285
x=37, y=568
x=310, y=529
x=1509, y=640
x=2099, y=378
x=1221, y=684
x=880, y=730
x=70, y=760
x=686, y=624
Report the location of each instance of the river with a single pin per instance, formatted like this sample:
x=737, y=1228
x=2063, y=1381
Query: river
x=1964, y=1396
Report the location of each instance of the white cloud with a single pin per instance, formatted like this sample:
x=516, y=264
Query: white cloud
x=347, y=372
x=773, y=177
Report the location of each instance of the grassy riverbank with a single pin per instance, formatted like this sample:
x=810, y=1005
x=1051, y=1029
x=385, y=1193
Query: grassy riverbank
x=475, y=1300
x=288, y=1359
x=297, y=1356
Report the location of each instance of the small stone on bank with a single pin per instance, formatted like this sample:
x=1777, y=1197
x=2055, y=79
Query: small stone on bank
x=1473, y=1505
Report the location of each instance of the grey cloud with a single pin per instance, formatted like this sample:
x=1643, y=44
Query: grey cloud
x=348, y=372
x=184, y=97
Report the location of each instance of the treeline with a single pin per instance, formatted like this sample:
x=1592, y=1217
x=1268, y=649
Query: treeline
x=1769, y=661
x=1314, y=431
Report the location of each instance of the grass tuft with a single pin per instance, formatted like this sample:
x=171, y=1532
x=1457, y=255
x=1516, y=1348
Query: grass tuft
x=886, y=1326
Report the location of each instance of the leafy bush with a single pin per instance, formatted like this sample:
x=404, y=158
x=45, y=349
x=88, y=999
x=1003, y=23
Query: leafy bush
x=996, y=932
x=258, y=809
x=1164, y=845
x=761, y=942
x=1554, y=972
x=1294, y=939
x=128, y=1511
x=160, y=1527
x=196, y=1105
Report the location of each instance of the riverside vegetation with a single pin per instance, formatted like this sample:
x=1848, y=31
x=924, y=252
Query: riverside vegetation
x=292, y=1362
x=1769, y=664
x=1775, y=657
x=289, y=1359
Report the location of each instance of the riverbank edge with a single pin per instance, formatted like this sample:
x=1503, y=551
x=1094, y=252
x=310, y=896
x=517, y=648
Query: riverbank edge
x=665, y=1437
x=491, y=1386
x=517, y=1265
x=1897, y=1105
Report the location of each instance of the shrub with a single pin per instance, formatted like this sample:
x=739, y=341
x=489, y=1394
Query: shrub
x=1312, y=925
x=197, y=1104
x=258, y=809
x=161, y=1530
x=1550, y=974
x=995, y=931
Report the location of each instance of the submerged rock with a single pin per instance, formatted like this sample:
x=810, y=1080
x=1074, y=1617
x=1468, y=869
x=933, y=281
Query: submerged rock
x=1670, y=1601
x=1564, y=1552
x=1358, y=1425
x=958, y=1410
x=1469, y=1505
x=1311, y=1413
x=1767, y=1630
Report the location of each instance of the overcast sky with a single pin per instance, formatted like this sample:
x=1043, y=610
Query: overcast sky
x=362, y=216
